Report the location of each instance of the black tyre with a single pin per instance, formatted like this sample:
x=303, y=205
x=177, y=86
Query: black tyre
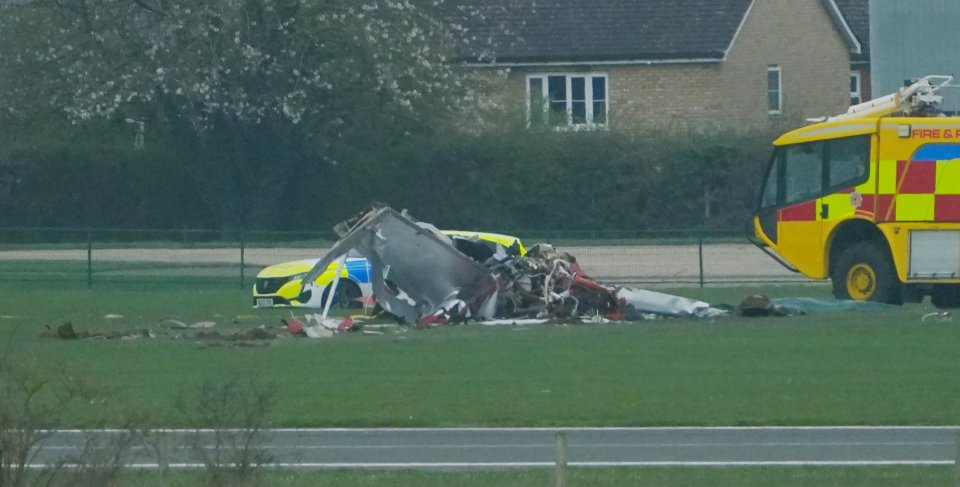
x=348, y=293
x=946, y=296
x=864, y=272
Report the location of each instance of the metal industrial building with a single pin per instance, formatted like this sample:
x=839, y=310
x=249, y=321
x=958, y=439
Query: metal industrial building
x=910, y=39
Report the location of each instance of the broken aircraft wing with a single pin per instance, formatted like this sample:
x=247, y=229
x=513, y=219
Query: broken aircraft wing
x=416, y=269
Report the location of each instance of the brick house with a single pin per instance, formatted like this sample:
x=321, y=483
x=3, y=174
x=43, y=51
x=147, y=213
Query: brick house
x=630, y=64
x=857, y=15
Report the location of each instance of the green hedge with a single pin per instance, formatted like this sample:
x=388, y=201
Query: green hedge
x=270, y=177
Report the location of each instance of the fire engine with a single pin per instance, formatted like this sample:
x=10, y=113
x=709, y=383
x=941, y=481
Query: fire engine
x=870, y=199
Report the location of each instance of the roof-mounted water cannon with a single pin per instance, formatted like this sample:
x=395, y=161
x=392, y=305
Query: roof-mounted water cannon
x=916, y=98
x=920, y=96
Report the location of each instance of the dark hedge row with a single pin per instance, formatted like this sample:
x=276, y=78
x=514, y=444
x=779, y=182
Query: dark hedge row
x=265, y=177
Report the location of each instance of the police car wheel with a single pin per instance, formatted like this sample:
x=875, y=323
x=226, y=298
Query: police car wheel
x=348, y=293
x=865, y=272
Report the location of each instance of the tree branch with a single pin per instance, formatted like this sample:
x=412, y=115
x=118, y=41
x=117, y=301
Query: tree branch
x=149, y=8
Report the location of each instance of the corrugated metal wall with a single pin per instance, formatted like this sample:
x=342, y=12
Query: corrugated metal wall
x=914, y=38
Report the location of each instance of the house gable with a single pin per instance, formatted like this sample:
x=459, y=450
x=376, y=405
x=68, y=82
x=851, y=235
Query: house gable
x=571, y=32
x=795, y=42
x=840, y=21
x=798, y=39
x=856, y=14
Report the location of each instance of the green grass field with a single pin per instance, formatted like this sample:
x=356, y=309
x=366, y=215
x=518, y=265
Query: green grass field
x=825, y=368
x=622, y=477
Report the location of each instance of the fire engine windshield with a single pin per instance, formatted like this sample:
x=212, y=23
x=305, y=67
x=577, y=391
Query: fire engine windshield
x=802, y=172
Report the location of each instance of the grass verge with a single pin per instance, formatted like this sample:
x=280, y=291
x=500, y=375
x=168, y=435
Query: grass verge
x=825, y=368
x=660, y=477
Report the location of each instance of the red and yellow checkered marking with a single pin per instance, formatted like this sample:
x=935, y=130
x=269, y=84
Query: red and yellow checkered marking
x=918, y=190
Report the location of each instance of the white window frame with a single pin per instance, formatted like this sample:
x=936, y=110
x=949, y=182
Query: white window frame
x=856, y=94
x=778, y=89
x=589, y=99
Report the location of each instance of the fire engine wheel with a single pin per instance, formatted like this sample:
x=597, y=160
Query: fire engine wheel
x=864, y=272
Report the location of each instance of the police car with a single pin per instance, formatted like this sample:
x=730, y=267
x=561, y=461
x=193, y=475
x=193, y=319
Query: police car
x=280, y=285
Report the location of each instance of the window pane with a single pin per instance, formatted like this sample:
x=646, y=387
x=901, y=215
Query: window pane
x=579, y=112
x=855, y=97
x=538, y=104
x=804, y=171
x=770, y=188
x=599, y=112
x=578, y=88
x=848, y=160
x=773, y=101
x=773, y=90
x=599, y=89
x=557, y=89
x=599, y=85
x=578, y=95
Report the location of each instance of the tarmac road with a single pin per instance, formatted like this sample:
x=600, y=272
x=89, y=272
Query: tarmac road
x=495, y=448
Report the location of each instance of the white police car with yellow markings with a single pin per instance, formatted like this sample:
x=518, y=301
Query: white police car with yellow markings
x=280, y=285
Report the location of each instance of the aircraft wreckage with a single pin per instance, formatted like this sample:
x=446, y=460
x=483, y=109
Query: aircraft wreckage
x=422, y=276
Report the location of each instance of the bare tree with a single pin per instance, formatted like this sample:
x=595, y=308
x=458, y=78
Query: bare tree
x=229, y=418
x=32, y=405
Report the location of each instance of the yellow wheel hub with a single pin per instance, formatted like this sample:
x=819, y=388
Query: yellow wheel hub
x=862, y=282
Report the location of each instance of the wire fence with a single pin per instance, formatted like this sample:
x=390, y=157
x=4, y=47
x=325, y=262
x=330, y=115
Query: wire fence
x=679, y=257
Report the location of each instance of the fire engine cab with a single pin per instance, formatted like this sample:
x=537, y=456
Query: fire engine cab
x=870, y=199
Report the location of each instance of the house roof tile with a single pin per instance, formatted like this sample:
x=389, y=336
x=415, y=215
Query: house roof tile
x=612, y=30
x=857, y=14
x=543, y=31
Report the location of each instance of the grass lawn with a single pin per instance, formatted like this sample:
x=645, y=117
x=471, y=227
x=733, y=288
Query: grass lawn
x=825, y=368
x=660, y=477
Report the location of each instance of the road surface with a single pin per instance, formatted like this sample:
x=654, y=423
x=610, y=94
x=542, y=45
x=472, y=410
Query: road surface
x=496, y=448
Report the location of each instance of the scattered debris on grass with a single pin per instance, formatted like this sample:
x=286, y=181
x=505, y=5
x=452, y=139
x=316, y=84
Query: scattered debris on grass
x=424, y=277
x=515, y=322
x=172, y=324
x=938, y=316
x=67, y=332
x=294, y=326
x=258, y=333
x=175, y=329
x=757, y=305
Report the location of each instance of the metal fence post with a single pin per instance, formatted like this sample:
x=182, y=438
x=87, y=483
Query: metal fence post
x=700, y=252
x=561, y=460
x=163, y=457
x=242, y=259
x=89, y=258
x=956, y=459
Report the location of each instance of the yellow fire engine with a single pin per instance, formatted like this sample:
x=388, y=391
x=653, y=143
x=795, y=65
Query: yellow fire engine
x=870, y=199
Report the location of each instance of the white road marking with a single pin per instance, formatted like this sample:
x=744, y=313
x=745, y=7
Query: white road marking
x=460, y=465
x=535, y=428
